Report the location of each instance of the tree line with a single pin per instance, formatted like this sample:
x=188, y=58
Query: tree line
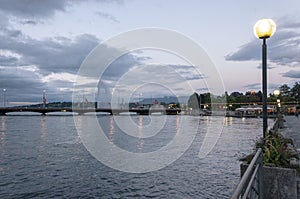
x=288, y=95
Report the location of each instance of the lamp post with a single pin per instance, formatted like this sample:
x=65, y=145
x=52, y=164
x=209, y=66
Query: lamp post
x=4, y=97
x=44, y=98
x=276, y=94
x=263, y=29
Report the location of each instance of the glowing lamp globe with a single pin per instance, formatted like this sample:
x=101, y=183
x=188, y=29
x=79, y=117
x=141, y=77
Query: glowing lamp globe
x=264, y=28
x=276, y=93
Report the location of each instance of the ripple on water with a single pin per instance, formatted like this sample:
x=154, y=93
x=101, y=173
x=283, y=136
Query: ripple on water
x=42, y=158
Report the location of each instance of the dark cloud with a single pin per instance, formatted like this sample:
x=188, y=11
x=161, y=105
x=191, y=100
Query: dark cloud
x=283, y=47
x=249, y=51
x=20, y=84
x=269, y=66
x=50, y=55
x=8, y=60
x=26, y=62
x=295, y=74
x=120, y=66
x=33, y=9
x=55, y=56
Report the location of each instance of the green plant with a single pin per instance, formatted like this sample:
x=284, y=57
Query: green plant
x=277, y=150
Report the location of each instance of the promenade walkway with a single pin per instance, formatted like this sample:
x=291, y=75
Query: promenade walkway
x=292, y=130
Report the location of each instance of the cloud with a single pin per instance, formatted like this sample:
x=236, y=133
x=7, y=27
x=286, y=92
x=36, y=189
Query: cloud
x=32, y=9
x=8, y=60
x=188, y=72
x=29, y=65
x=255, y=86
x=28, y=22
x=295, y=74
x=283, y=47
x=52, y=63
x=167, y=77
x=269, y=66
x=50, y=55
x=65, y=77
x=258, y=86
x=246, y=52
x=20, y=84
x=108, y=16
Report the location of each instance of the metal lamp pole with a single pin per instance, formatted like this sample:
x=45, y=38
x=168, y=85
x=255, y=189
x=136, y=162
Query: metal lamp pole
x=264, y=29
x=264, y=85
x=44, y=98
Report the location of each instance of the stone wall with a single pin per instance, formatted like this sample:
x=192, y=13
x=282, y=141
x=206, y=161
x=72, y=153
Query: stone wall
x=278, y=183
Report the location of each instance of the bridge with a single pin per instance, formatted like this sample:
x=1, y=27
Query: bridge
x=82, y=111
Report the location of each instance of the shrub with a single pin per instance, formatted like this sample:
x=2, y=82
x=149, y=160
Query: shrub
x=277, y=150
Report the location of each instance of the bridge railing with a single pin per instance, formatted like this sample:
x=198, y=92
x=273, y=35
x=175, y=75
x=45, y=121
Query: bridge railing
x=250, y=185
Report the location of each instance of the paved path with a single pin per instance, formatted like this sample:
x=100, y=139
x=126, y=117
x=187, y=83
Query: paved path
x=292, y=130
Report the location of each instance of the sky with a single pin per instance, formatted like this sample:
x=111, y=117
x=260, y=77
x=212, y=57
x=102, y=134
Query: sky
x=44, y=43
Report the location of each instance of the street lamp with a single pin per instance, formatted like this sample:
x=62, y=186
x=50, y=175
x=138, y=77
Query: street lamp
x=4, y=97
x=263, y=29
x=44, y=98
x=276, y=94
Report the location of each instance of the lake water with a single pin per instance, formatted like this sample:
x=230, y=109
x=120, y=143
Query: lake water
x=44, y=157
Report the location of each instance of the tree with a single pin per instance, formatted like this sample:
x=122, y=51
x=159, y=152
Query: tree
x=295, y=91
x=284, y=90
x=259, y=95
x=205, y=98
x=236, y=94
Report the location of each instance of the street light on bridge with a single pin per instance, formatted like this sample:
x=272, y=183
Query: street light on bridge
x=263, y=29
x=4, y=97
x=44, y=98
x=276, y=94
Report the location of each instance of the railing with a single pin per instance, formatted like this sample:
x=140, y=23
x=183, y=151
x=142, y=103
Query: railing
x=250, y=185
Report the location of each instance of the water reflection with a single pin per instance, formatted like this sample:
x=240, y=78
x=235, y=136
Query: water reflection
x=3, y=129
x=2, y=138
x=78, y=121
x=64, y=166
x=111, y=129
x=228, y=121
x=43, y=128
x=177, y=122
x=140, y=140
